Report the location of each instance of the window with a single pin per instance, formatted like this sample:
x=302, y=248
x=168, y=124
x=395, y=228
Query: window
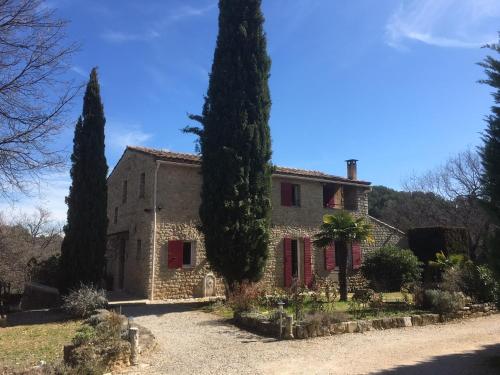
x=138, y=254
x=124, y=192
x=115, y=218
x=332, y=196
x=181, y=254
x=290, y=194
x=186, y=254
x=142, y=185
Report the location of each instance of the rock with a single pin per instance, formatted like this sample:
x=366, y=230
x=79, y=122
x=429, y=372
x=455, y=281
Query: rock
x=338, y=328
x=389, y=323
x=364, y=325
x=417, y=320
x=377, y=324
x=430, y=319
x=407, y=321
x=351, y=327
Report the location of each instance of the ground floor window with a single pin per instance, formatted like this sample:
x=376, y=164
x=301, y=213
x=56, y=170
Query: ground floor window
x=187, y=254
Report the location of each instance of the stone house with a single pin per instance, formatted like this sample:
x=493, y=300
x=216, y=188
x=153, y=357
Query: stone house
x=155, y=250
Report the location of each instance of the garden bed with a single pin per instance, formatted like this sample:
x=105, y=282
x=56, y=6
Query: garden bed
x=322, y=326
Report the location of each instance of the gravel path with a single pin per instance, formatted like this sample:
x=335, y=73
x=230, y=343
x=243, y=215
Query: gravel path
x=194, y=342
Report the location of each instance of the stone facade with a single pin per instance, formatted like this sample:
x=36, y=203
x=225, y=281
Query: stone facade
x=138, y=249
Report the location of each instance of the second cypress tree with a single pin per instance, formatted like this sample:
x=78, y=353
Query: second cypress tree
x=235, y=146
x=84, y=245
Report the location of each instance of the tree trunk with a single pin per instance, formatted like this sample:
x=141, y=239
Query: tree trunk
x=342, y=251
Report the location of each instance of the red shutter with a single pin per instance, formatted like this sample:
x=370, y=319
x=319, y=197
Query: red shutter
x=330, y=257
x=307, y=262
x=287, y=261
x=174, y=251
x=356, y=255
x=286, y=194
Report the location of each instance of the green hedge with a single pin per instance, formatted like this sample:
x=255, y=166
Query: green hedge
x=426, y=242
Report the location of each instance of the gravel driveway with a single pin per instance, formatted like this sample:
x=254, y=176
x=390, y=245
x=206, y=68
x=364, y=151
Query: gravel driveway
x=194, y=342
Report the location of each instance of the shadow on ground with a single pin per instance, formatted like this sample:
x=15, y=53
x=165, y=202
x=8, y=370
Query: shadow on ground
x=484, y=361
x=158, y=309
x=32, y=317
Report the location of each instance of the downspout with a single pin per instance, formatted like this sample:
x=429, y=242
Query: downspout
x=151, y=297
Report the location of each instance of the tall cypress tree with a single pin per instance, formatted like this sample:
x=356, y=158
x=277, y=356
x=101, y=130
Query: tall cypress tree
x=84, y=245
x=235, y=146
x=490, y=152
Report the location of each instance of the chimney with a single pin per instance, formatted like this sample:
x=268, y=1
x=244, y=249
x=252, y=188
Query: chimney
x=352, y=169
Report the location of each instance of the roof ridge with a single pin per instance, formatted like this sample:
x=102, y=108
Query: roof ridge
x=190, y=158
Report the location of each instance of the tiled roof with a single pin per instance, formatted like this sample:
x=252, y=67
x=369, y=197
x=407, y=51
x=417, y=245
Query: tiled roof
x=195, y=159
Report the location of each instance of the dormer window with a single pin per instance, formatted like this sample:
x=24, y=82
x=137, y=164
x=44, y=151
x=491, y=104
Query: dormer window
x=290, y=194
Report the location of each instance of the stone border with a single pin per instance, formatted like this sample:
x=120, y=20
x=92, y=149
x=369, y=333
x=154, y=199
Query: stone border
x=259, y=324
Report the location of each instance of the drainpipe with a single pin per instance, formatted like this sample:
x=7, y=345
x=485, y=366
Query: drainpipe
x=151, y=297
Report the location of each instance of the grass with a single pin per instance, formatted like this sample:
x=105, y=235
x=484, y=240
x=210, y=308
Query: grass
x=26, y=345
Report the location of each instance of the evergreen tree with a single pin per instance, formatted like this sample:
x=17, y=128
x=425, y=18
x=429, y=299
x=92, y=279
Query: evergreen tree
x=490, y=152
x=84, y=244
x=235, y=146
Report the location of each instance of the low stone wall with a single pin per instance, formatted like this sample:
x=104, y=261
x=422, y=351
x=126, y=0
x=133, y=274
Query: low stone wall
x=259, y=324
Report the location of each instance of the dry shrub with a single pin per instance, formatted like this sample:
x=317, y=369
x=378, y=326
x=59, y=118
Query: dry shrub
x=244, y=296
x=84, y=301
x=98, y=348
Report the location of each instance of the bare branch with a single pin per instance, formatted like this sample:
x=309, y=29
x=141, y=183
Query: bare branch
x=34, y=56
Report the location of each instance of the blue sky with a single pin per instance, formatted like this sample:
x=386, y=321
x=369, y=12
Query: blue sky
x=392, y=83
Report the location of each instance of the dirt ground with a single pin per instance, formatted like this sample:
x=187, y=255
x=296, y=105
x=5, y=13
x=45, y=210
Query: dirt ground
x=194, y=342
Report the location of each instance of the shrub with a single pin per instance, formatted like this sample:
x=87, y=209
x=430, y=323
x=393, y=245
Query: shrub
x=389, y=267
x=244, y=297
x=97, y=348
x=478, y=282
x=323, y=318
x=82, y=302
x=442, y=301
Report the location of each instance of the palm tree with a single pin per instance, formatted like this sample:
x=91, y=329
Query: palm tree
x=343, y=229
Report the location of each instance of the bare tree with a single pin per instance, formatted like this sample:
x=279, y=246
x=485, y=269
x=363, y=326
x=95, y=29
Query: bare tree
x=459, y=182
x=26, y=239
x=33, y=93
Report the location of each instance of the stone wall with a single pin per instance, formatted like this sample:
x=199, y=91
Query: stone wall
x=182, y=282
x=178, y=200
x=135, y=222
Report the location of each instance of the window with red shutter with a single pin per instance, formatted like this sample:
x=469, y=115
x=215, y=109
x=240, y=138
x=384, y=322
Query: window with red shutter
x=287, y=261
x=330, y=257
x=174, y=252
x=307, y=262
x=286, y=194
x=356, y=255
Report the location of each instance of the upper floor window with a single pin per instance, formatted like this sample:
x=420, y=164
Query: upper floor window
x=290, y=194
x=124, y=191
x=142, y=185
x=115, y=217
x=332, y=196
